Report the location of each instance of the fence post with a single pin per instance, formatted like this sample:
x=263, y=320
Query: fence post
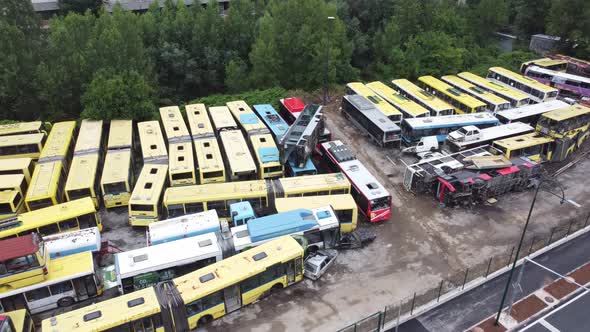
x=380, y=322
x=383, y=320
x=465, y=279
x=489, y=265
x=586, y=222
x=532, y=244
x=551, y=235
x=439, y=290
x=569, y=228
x=413, y=302
x=510, y=258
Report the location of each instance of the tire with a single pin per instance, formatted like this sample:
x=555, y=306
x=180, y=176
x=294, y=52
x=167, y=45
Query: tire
x=65, y=301
x=275, y=288
x=204, y=320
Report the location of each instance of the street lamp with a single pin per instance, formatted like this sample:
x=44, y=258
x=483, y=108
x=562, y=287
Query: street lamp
x=330, y=20
x=526, y=224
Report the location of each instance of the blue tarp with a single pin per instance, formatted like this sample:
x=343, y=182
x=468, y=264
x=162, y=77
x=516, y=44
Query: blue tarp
x=280, y=224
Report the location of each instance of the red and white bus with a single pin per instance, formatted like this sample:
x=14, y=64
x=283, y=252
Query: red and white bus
x=373, y=200
x=290, y=108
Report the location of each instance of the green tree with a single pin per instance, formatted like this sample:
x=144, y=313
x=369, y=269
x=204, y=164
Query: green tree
x=121, y=95
x=236, y=76
x=433, y=53
x=489, y=15
x=79, y=6
x=291, y=47
x=530, y=16
x=570, y=20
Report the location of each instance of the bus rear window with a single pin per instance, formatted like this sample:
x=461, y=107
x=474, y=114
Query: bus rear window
x=115, y=188
x=208, y=175
x=273, y=169
x=40, y=203
x=380, y=203
x=5, y=208
x=182, y=176
x=79, y=193
x=142, y=207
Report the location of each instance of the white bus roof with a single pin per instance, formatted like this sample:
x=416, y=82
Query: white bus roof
x=566, y=76
x=497, y=132
x=87, y=239
x=531, y=110
x=446, y=120
x=183, y=226
x=166, y=255
x=356, y=171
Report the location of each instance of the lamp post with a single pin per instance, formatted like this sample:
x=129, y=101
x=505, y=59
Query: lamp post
x=330, y=20
x=526, y=224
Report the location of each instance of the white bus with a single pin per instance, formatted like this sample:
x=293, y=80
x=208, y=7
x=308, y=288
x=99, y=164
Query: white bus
x=530, y=113
x=70, y=243
x=182, y=227
x=486, y=135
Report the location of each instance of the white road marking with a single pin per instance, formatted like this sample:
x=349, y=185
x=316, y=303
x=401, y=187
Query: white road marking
x=548, y=326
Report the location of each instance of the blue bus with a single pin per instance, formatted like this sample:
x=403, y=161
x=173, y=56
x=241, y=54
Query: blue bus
x=272, y=119
x=440, y=126
x=308, y=169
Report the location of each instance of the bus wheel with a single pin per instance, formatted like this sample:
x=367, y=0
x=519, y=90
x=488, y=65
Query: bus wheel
x=65, y=301
x=275, y=288
x=204, y=320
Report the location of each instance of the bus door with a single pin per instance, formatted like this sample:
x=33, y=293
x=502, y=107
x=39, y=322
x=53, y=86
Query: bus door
x=290, y=272
x=232, y=298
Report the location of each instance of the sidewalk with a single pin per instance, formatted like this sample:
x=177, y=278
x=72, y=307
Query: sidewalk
x=474, y=306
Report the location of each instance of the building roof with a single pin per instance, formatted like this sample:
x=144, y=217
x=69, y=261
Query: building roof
x=18, y=246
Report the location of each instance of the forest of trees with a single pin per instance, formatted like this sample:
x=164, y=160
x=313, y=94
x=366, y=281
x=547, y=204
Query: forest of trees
x=96, y=64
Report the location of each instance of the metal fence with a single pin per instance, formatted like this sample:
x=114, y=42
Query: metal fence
x=406, y=307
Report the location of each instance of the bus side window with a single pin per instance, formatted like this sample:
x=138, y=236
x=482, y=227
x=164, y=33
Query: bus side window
x=49, y=229
x=87, y=220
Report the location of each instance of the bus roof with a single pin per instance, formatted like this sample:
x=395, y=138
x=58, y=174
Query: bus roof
x=495, y=87
x=208, y=154
x=8, y=196
x=246, y=117
x=136, y=305
x=18, y=246
x=567, y=112
x=545, y=62
x=59, y=270
x=14, y=164
x=58, y=141
x=265, y=149
x=120, y=134
x=82, y=172
x=149, y=184
x=383, y=106
x=397, y=100
x=201, y=222
x=337, y=202
x=44, y=180
x=474, y=90
x=198, y=121
x=222, y=118
x=89, y=137
x=284, y=223
x=570, y=77
x=116, y=166
x=494, y=133
x=531, y=110
x=152, y=141
x=51, y=214
x=174, y=126
x=21, y=140
x=273, y=120
x=181, y=157
x=318, y=182
x=18, y=318
x=215, y=191
x=418, y=93
x=293, y=104
x=166, y=255
x=371, y=112
x=237, y=268
x=9, y=181
x=20, y=127
x=451, y=92
x=523, y=79
x=523, y=141
x=451, y=120
x=236, y=151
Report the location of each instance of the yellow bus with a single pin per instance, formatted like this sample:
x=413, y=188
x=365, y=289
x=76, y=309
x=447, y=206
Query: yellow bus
x=343, y=205
x=46, y=186
x=60, y=143
x=493, y=102
x=23, y=261
x=70, y=279
x=534, y=146
x=181, y=165
x=358, y=88
x=86, y=164
x=571, y=122
x=145, y=203
x=547, y=63
x=267, y=156
x=24, y=166
x=198, y=121
x=536, y=91
x=462, y=102
x=13, y=182
x=515, y=97
x=240, y=164
x=249, y=121
x=153, y=148
x=209, y=160
x=69, y=216
x=260, y=193
x=21, y=128
x=194, y=299
x=20, y=319
x=21, y=146
x=118, y=174
x=174, y=126
x=11, y=204
x=222, y=119
x=409, y=108
x=436, y=106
